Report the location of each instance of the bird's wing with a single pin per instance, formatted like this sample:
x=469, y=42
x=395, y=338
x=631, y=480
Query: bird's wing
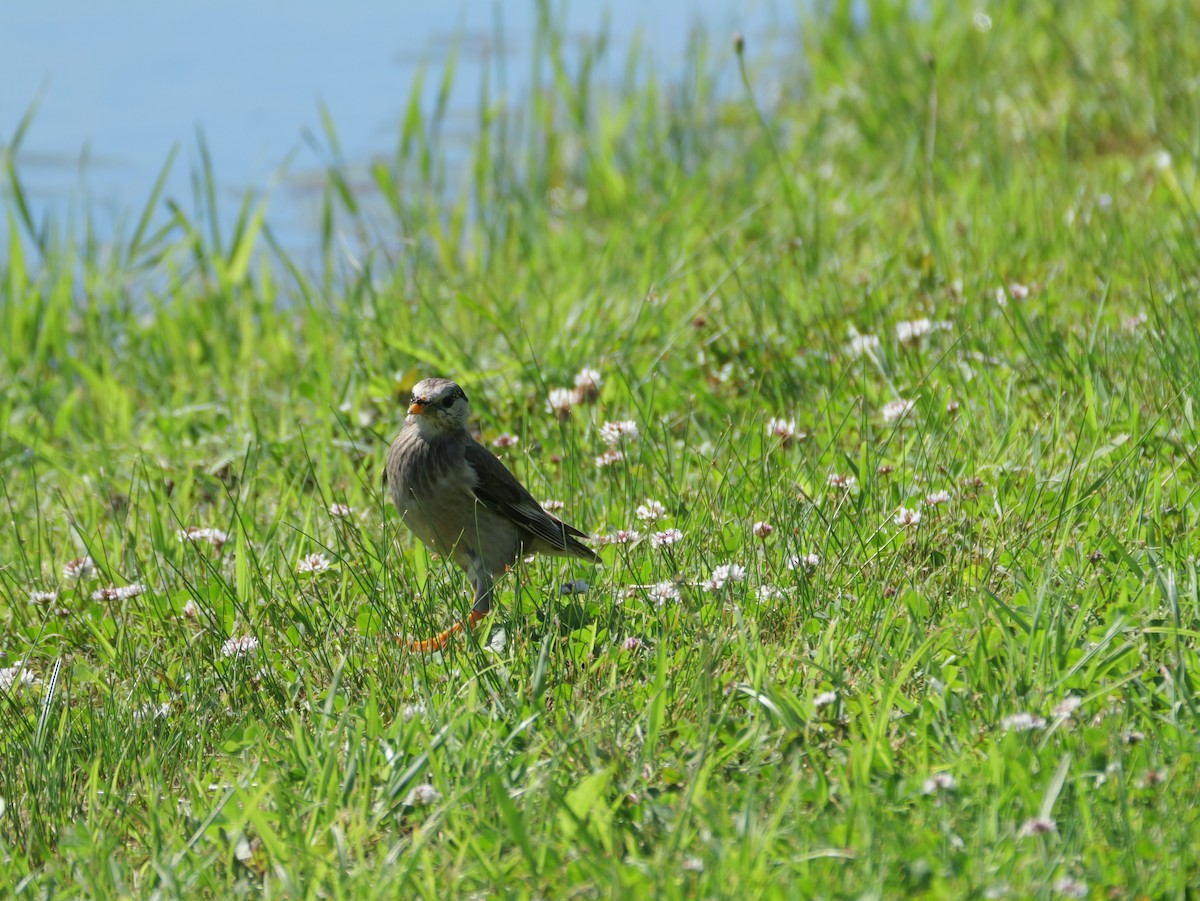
x=499, y=489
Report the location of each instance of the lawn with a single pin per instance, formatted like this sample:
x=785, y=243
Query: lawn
x=899, y=590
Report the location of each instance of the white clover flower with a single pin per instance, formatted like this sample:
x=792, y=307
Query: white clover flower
x=422, y=795
x=559, y=401
x=1036, y=826
x=1022, y=722
x=552, y=506
x=1015, y=290
x=411, y=711
x=724, y=574
x=113, y=593
x=762, y=529
x=152, y=711
x=895, y=410
x=43, y=598
x=1067, y=706
x=824, y=699
x=807, y=562
x=914, y=331
x=861, y=345
x=240, y=647
x=609, y=457
x=664, y=593
x=625, y=536
x=982, y=21
x=768, y=592
x=190, y=610
x=504, y=439
x=937, y=498
x=651, y=511
x=612, y=433
x=1135, y=322
x=82, y=568
x=842, y=482
x=16, y=677
x=341, y=511
x=939, y=782
x=196, y=534
x=693, y=865
x=632, y=643
x=785, y=430
x=587, y=385
x=1070, y=888
x=665, y=538
x=313, y=563
x=906, y=518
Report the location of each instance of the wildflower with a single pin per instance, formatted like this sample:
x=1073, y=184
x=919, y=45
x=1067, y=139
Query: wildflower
x=422, y=796
x=625, y=536
x=609, y=457
x=559, y=401
x=937, y=498
x=152, y=711
x=769, y=593
x=1070, y=888
x=824, y=699
x=113, y=593
x=914, y=331
x=785, y=430
x=665, y=538
x=190, y=610
x=1151, y=778
x=1134, y=323
x=17, y=677
x=632, y=643
x=664, y=592
x=693, y=864
x=1015, y=290
x=1067, y=706
x=340, y=511
x=1022, y=722
x=575, y=586
x=982, y=21
x=412, y=710
x=762, y=529
x=651, y=511
x=906, y=518
x=82, y=568
x=43, y=598
x=239, y=647
x=613, y=432
x=1036, y=826
x=504, y=439
x=587, y=385
x=895, y=410
x=552, y=506
x=723, y=574
x=313, y=563
x=195, y=534
x=952, y=407
x=845, y=483
x=939, y=782
x=861, y=345
x=808, y=562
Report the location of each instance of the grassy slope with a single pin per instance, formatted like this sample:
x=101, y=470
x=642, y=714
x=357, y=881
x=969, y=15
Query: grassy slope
x=714, y=275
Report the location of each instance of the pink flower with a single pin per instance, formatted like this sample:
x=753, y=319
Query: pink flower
x=504, y=439
x=762, y=529
x=609, y=457
x=587, y=385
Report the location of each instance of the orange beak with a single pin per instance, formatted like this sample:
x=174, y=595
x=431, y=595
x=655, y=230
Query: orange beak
x=416, y=408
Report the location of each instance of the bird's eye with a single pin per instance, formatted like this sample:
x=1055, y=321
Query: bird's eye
x=448, y=402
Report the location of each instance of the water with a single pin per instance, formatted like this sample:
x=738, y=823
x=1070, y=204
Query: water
x=117, y=86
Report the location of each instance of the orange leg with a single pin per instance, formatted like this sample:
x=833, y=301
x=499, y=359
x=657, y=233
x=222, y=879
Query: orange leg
x=441, y=640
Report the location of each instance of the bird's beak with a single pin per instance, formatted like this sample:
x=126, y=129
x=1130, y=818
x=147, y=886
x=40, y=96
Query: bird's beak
x=416, y=408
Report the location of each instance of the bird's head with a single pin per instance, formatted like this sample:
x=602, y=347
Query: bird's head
x=439, y=406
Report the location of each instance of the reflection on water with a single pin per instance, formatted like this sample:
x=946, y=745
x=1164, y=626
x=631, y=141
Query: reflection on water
x=117, y=86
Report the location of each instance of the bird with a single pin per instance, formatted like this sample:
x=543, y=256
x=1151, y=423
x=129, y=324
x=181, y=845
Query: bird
x=463, y=503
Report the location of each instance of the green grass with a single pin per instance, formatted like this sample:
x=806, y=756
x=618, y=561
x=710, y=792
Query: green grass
x=711, y=246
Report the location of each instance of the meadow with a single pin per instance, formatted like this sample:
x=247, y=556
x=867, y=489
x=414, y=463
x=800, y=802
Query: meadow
x=874, y=370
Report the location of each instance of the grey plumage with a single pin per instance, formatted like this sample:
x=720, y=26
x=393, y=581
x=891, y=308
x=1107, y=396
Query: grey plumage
x=460, y=500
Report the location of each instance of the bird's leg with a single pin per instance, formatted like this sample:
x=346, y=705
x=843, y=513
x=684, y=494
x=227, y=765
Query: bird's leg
x=481, y=608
